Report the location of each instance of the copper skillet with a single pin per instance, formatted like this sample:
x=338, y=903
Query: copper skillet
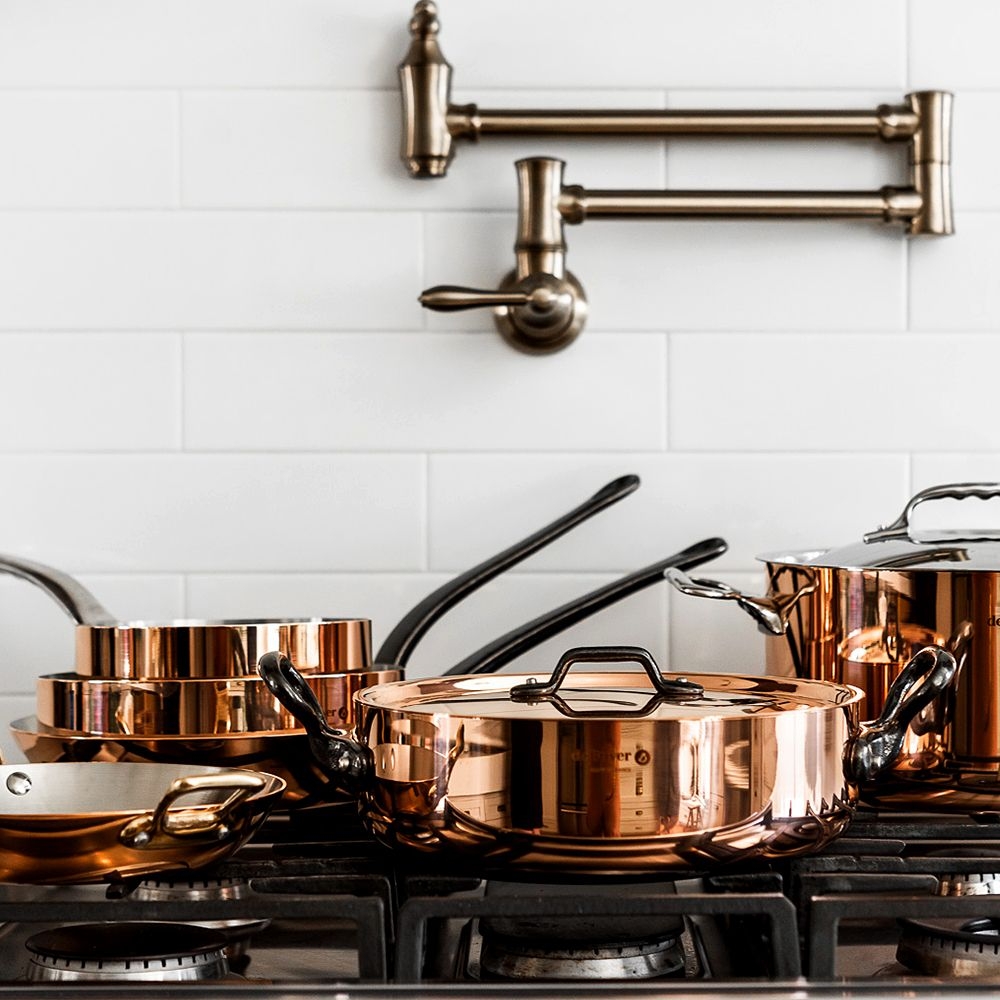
x=610, y=771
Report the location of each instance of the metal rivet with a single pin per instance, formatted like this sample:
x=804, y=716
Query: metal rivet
x=18, y=783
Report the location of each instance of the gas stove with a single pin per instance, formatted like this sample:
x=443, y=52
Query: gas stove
x=901, y=905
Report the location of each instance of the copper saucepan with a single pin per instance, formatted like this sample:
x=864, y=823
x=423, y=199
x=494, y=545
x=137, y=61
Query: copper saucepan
x=610, y=771
x=855, y=615
x=62, y=823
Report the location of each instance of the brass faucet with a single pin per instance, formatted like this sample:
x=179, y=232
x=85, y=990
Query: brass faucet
x=540, y=306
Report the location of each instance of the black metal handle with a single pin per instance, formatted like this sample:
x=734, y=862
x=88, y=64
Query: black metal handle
x=402, y=640
x=672, y=690
x=348, y=763
x=876, y=746
x=491, y=657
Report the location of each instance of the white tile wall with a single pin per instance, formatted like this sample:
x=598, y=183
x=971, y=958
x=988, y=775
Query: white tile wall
x=219, y=396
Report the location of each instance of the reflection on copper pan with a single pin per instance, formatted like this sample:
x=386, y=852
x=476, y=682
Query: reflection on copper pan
x=189, y=649
x=200, y=706
x=283, y=754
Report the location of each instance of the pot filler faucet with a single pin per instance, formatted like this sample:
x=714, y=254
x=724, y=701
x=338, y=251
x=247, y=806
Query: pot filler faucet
x=540, y=306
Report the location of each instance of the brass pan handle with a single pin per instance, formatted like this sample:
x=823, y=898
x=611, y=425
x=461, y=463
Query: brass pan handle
x=161, y=829
x=875, y=747
x=665, y=689
x=900, y=528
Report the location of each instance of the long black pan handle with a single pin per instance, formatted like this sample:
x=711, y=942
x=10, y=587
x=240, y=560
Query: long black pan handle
x=71, y=595
x=510, y=646
x=402, y=640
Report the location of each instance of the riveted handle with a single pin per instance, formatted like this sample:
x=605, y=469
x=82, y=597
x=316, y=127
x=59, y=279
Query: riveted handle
x=212, y=823
x=900, y=528
x=665, y=689
x=877, y=744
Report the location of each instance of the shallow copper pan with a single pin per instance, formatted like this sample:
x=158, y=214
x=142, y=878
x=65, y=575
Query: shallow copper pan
x=201, y=706
x=62, y=823
x=285, y=755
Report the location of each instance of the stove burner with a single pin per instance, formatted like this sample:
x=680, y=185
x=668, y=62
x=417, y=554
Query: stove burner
x=236, y=932
x=507, y=958
x=956, y=947
x=137, y=951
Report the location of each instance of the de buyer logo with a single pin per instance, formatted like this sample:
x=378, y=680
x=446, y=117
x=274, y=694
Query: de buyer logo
x=641, y=757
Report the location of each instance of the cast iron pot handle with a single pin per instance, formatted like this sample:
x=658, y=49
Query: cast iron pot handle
x=877, y=744
x=900, y=528
x=348, y=763
x=770, y=613
x=665, y=689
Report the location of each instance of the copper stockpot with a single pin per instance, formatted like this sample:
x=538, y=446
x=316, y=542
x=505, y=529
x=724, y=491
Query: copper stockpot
x=610, y=771
x=62, y=823
x=855, y=615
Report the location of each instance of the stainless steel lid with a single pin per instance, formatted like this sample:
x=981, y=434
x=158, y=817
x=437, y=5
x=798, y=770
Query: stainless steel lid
x=896, y=547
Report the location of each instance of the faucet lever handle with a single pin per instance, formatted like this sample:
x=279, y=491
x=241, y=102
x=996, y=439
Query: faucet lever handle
x=452, y=298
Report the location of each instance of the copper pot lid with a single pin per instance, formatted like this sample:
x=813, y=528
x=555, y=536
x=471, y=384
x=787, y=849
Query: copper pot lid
x=608, y=695
x=897, y=546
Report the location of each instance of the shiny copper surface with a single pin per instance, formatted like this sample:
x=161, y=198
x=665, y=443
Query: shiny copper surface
x=860, y=626
x=286, y=755
x=184, y=649
x=62, y=823
x=760, y=774
x=202, y=706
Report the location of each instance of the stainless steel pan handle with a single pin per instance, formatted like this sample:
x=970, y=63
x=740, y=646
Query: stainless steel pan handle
x=771, y=613
x=874, y=749
x=71, y=595
x=900, y=528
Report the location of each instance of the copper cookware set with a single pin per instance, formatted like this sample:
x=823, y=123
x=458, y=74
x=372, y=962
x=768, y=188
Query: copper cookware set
x=610, y=770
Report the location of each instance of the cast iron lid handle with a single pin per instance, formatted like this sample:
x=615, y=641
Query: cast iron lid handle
x=401, y=641
x=900, y=528
x=876, y=746
x=349, y=764
x=678, y=690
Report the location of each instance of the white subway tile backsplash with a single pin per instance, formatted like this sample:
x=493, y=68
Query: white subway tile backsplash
x=778, y=392
x=953, y=44
x=662, y=274
x=101, y=392
x=97, y=150
x=792, y=164
x=194, y=43
x=715, y=43
x=372, y=392
x=953, y=282
x=973, y=176
x=221, y=513
x=757, y=502
x=336, y=149
x=164, y=270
